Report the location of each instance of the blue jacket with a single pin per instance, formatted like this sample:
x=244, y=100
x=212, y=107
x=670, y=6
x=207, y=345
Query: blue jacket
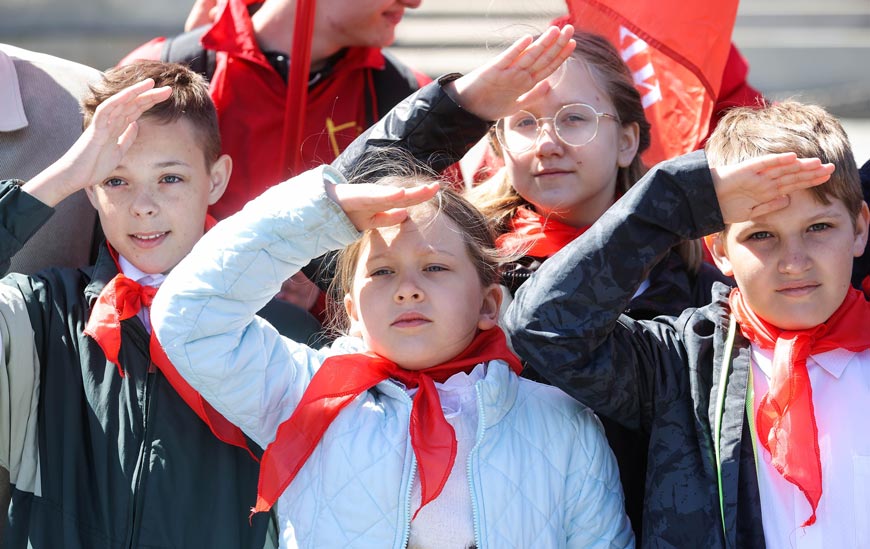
x=540, y=473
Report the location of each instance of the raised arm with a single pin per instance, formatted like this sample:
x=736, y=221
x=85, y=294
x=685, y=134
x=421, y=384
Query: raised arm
x=440, y=122
x=566, y=320
x=204, y=313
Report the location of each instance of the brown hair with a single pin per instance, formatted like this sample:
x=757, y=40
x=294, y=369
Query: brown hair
x=395, y=168
x=807, y=130
x=189, y=101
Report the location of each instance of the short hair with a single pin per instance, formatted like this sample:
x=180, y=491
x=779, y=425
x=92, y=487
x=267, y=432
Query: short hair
x=189, y=101
x=397, y=168
x=807, y=130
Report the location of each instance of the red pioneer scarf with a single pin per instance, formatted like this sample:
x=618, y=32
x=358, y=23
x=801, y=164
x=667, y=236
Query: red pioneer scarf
x=785, y=419
x=546, y=236
x=123, y=298
x=341, y=379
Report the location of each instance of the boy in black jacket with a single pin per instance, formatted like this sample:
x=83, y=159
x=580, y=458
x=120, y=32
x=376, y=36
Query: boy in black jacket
x=105, y=445
x=793, y=335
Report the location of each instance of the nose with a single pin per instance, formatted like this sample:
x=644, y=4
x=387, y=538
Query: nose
x=795, y=258
x=412, y=4
x=547, y=142
x=143, y=204
x=408, y=291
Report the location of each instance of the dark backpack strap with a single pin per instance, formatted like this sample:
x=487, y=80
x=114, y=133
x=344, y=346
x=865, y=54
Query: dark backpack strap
x=186, y=48
x=393, y=84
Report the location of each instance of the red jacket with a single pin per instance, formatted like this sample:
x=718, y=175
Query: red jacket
x=250, y=97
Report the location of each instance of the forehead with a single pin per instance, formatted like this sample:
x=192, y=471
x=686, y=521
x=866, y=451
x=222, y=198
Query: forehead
x=158, y=141
x=425, y=231
x=804, y=207
x=571, y=83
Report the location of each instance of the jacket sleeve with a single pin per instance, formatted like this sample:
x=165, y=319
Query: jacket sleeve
x=566, y=319
x=428, y=124
x=204, y=313
x=21, y=215
x=597, y=512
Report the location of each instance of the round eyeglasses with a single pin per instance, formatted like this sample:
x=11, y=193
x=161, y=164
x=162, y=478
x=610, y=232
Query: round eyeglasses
x=575, y=124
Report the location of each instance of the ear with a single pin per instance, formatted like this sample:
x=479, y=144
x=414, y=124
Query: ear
x=720, y=253
x=89, y=190
x=629, y=139
x=355, y=328
x=861, y=228
x=219, y=176
x=490, y=307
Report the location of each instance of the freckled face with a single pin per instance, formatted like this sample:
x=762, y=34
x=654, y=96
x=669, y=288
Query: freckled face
x=794, y=266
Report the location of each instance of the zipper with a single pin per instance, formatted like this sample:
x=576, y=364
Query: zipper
x=141, y=463
x=407, y=534
x=474, y=508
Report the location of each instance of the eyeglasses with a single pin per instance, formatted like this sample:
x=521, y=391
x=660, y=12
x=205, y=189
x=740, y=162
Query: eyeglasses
x=575, y=124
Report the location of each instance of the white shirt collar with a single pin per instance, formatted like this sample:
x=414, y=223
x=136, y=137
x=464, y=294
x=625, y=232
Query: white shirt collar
x=12, y=115
x=834, y=362
x=133, y=273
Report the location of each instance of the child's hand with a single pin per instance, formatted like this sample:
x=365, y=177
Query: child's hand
x=369, y=205
x=495, y=90
x=761, y=185
x=101, y=146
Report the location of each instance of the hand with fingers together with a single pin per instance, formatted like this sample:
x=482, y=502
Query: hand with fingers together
x=496, y=89
x=761, y=185
x=101, y=146
x=371, y=206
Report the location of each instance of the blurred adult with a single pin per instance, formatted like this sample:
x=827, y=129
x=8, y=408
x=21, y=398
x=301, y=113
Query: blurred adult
x=247, y=48
x=39, y=120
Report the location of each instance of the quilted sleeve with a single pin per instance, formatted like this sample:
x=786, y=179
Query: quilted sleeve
x=566, y=319
x=597, y=516
x=204, y=314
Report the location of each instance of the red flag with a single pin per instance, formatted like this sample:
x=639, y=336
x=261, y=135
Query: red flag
x=677, y=51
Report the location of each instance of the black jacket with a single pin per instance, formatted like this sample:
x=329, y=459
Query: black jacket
x=661, y=376
x=122, y=461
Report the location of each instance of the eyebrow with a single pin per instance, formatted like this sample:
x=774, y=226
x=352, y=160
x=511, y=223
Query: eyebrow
x=430, y=252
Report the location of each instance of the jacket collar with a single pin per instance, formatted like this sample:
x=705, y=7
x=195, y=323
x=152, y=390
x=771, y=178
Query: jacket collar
x=731, y=411
x=100, y=273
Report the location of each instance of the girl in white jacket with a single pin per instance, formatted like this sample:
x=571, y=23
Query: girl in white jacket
x=414, y=430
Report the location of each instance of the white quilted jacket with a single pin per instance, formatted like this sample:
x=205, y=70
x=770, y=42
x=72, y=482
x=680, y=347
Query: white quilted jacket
x=540, y=474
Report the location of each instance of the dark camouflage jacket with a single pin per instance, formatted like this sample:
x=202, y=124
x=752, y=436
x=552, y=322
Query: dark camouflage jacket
x=661, y=376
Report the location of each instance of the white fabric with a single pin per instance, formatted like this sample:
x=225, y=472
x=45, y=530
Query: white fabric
x=540, y=473
x=447, y=521
x=841, y=397
x=12, y=115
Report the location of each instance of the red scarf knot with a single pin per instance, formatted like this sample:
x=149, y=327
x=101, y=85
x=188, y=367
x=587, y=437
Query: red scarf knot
x=785, y=418
x=534, y=235
x=341, y=379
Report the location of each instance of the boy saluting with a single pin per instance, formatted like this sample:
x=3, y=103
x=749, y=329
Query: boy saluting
x=753, y=403
x=105, y=445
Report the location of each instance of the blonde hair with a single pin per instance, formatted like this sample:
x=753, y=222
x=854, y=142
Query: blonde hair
x=807, y=130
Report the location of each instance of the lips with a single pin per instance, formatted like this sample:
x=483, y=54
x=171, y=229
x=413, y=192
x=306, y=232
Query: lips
x=148, y=240
x=550, y=172
x=410, y=320
x=798, y=289
x=394, y=17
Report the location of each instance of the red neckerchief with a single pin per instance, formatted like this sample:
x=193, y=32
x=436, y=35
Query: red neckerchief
x=121, y=299
x=341, y=379
x=545, y=236
x=785, y=419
